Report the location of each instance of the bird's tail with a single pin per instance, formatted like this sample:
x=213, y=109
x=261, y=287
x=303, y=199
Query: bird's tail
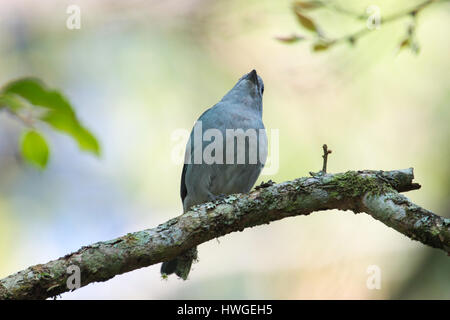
x=181, y=265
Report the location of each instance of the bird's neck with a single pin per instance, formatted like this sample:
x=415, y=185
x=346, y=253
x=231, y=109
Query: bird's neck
x=248, y=102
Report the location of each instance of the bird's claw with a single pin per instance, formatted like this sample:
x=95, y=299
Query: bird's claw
x=265, y=184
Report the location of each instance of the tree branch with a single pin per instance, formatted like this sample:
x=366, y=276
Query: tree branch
x=322, y=42
x=391, y=18
x=373, y=192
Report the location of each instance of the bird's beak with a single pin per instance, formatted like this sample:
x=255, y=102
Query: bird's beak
x=253, y=77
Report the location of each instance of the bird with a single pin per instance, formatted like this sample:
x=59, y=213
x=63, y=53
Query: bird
x=236, y=119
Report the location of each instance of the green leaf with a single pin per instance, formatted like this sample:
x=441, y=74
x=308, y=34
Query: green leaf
x=10, y=101
x=60, y=115
x=307, y=5
x=69, y=124
x=87, y=141
x=321, y=46
x=290, y=39
x=307, y=22
x=35, y=149
x=405, y=43
x=37, y=94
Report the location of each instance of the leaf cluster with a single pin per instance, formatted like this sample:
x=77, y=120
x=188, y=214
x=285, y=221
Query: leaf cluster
x=33, y=103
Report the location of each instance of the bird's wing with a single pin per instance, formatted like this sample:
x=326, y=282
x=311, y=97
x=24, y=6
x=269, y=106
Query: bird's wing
x=183, y=189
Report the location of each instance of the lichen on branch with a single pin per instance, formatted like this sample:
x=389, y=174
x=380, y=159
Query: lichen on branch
x=370, y=191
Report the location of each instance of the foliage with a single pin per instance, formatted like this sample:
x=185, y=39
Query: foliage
x=321, y=42
x=31, y=102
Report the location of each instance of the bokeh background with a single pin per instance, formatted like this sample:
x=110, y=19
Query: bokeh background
x=138, y=71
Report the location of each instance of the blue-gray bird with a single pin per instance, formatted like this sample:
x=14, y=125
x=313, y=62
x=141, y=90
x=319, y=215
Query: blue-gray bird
x=238, y=111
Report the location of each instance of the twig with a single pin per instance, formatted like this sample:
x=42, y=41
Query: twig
x=323, y=42
x=353, y=37
x=27, y=121
x=326, y=152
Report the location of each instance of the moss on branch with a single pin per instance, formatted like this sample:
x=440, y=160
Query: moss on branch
x=373, y=192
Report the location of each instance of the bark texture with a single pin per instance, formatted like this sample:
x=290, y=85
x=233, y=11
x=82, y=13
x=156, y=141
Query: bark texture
x=373, y=192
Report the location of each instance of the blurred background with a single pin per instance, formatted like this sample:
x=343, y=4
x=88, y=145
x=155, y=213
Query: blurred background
x=138, y=71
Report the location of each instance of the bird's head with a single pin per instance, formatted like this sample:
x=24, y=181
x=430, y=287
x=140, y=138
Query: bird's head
x=248, y=90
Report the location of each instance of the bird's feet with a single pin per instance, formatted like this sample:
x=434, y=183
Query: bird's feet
x=265, y=184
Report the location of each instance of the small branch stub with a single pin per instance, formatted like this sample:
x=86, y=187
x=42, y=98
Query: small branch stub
x=326, y=152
